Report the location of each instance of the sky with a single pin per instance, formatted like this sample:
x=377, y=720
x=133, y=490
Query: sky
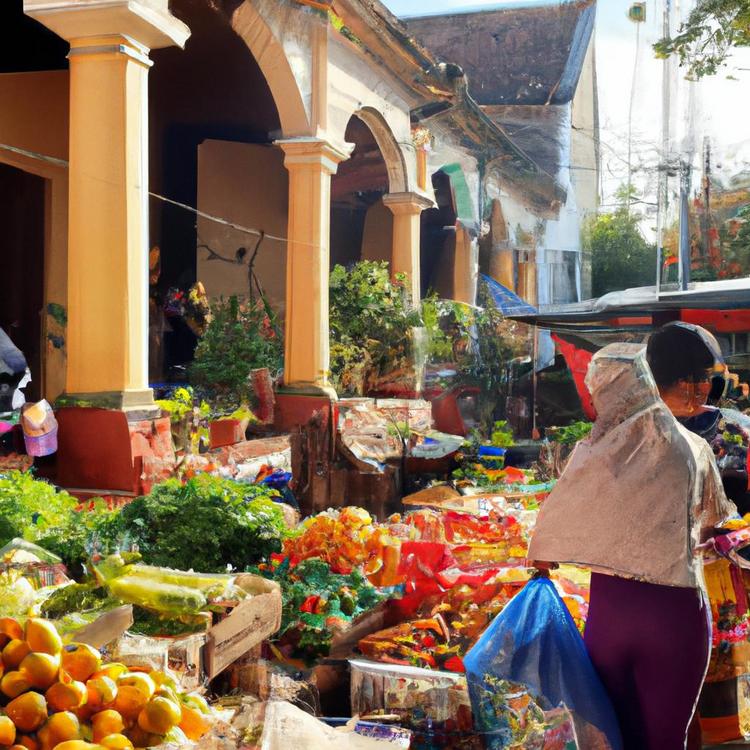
x=626, y=67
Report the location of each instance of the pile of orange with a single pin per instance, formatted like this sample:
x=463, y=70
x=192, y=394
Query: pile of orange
x=61, y=697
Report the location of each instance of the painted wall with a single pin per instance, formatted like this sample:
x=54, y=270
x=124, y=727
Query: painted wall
x=34, y=117
x=248, y=185
x=378, y=234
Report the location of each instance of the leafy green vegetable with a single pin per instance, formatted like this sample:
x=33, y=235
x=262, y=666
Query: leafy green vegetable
x=207, y=524
x=571, y=434
x=36, y=511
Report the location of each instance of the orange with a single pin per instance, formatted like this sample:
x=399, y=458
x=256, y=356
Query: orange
x=30, y=743
x=101, y=691
x=42, y=635
x=193, y=723
x=106, y=723
x=66, y=694
x=14, y=653
x=116, y=742
x=4, y=640
x=28, y=711
x=41, y=669
x=141, y=738
x=112, y=670
x=159, y=715
x=75, y=745
x=60, y=727
x=129, y=702
x=138, y=680
x=80, y=660
x=11, y=627
x=7, y=731
x=14, y=683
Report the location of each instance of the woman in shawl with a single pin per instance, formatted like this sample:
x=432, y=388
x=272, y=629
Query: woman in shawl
x=636, y=501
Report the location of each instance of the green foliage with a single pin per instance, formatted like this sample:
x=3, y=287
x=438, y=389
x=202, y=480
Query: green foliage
x=620, y=256
x=34, y=510
x=502, y=435
x=240, y=337
x=206, y=524
x=571, y=434
x=370, y=320
x=180, y=405
x=706, y=38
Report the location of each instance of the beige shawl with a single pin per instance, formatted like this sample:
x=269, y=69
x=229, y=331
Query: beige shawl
x=638, y=492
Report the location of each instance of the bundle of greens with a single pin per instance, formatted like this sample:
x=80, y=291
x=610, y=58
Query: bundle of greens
x=317, y=604
x=208, y=524
x=35, y=511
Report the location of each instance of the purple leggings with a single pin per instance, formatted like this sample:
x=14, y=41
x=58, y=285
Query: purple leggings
x=650, y=646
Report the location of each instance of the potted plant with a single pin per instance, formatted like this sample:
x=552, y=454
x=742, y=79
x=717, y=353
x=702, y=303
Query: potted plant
x=241, y=336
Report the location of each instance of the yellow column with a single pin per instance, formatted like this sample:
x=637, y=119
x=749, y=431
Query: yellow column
x=311, y=162
x=107, y=341
x=406, y=209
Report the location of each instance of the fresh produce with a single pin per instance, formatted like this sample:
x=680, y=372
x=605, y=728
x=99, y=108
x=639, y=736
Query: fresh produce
x=317, y=603
x=207, y=524
x=59, y=697
x=345, y=539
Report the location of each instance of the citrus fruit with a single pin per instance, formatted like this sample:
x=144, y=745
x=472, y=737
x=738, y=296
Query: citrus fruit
x=42, y=635
x=106, y=723
x=129, y=701
x=116, y=742
x=159, y=715
x=14, y=683
x=80, y=660
x=40, y=668
x=7, y=731
x=66, y=694
x=112, y=670
x=60, y=727
x=11, y=627
x=138, y=680
x=25, y=740
x=193, y=723
x=14, y=653
x=28, y=712
x=101, y=691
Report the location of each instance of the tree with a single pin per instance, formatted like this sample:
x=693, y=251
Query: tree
x=706, y=38
x=620, y=256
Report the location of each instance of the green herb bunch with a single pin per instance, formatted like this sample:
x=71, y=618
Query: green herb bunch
x=206, y=524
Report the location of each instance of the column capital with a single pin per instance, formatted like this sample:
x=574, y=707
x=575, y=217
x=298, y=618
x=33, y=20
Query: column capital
x=306, y=152
x=407, y=203
x=147, y=22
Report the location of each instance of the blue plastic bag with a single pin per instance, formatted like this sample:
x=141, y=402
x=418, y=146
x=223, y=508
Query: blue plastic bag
x=534, y=644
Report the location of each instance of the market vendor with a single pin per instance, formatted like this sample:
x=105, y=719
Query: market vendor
x=691, y=374
x=636, y=501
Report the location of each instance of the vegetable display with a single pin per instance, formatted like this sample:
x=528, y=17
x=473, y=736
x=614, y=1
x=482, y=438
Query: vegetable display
x=206, y=524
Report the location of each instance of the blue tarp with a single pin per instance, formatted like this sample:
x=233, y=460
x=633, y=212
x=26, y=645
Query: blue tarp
x=509, y=303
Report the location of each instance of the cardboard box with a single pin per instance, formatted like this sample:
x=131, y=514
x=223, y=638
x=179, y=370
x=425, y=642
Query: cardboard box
x=247, y=624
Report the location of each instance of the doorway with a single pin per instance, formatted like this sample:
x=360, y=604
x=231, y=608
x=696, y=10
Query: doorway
x=22, y=201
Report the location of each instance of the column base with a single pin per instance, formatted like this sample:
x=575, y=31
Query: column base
x=137, y=404
x=308, y=389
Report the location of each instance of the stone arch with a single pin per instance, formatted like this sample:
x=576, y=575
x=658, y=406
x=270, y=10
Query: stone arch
x=250, y=23
x=395, y=163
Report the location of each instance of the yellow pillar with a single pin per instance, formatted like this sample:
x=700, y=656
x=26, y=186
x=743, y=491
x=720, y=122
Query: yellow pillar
x=407, y=209
x=107, y=341
x=310, y=162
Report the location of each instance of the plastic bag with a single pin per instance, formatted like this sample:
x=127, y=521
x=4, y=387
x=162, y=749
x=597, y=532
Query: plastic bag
x=530, y=662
